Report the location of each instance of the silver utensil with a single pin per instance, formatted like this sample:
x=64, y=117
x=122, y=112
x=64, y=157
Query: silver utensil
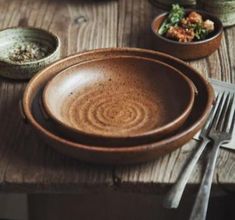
x=174, y=196
x=220, y=132
x=220, y=87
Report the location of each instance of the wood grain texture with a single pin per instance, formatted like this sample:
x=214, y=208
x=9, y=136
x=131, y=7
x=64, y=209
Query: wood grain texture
x=218, y=65
x=27, y=165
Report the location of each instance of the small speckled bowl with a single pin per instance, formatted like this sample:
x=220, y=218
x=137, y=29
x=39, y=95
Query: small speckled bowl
x=12, y=37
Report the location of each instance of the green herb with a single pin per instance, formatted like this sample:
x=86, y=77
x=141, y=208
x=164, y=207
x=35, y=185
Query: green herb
x=173, y=19
x=200, y=32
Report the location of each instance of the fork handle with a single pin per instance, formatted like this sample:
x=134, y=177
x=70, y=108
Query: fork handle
x=201, y=204
x=174, y=196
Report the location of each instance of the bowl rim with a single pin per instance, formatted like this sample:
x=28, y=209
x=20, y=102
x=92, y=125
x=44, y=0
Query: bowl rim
x=29, y=117
x=159, y=130
x=31, y=28
x=201, y=12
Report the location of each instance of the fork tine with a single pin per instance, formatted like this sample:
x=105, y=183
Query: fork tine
x=210, y=117
x=225, y=113
x=218, y=112
x=233, y=120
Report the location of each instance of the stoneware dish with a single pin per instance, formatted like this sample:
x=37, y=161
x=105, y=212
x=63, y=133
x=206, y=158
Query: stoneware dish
x=119, y=100
x=189, y=50
x=223, y=9
x=32, y=114
x=11, y=39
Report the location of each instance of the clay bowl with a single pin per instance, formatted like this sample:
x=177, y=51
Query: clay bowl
x=32, y=114
x=15, y=37
x=189, y=50
x=119, y=100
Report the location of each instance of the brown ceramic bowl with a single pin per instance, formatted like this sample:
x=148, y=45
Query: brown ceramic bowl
x=124, y=154
x=119, y=100
x=189, y=50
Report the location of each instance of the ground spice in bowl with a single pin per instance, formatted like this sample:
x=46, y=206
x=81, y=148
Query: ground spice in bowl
x=27, y=52
x=24, y=51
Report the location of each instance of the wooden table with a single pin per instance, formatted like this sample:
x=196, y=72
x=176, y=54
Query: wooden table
x=28, y=165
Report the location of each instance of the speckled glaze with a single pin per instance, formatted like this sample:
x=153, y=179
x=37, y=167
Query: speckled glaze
x=16, y=35
x=124, y=154
x=166, y=4
x=223, y=9
x=119, y=100
x=189, y=50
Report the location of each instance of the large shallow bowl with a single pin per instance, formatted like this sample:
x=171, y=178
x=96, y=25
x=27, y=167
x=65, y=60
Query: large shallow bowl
x=189, y=50
x=114, y=155
x=123, y=100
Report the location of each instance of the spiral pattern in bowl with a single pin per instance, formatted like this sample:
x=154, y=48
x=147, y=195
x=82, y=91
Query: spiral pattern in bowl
x=116, y=112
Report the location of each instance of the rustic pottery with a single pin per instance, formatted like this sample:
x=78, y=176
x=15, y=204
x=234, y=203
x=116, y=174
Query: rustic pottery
x=189, y=50
x=223, y=9
x=12, y=37
x=119, y=100
x=114, y=155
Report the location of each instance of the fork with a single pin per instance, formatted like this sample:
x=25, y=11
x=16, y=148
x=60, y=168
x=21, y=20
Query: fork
x=220, y=132
x=173, y=197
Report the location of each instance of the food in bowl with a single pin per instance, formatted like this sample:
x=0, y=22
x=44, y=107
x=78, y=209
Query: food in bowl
x=27, y=51
x=183, y=27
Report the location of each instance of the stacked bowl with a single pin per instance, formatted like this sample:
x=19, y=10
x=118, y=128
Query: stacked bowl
x=117, y=106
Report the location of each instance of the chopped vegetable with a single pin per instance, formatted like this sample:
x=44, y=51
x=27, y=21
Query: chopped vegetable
x=209, y=25
x=174, y=17
x=181, y=34
x=194, y=18
x=183, y=28
x=200, y=32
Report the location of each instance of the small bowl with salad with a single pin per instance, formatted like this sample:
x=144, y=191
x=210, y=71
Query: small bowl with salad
x=187, y=33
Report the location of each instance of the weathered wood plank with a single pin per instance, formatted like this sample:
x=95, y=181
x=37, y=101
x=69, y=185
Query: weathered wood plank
x=165, y=170
x=135, y=17
x=25, y=162
x=230, y=45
